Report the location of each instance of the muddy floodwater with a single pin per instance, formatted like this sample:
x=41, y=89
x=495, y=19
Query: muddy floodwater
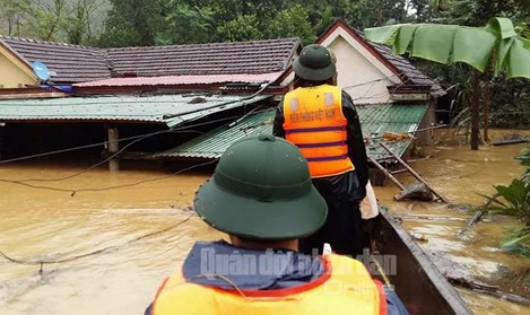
x=114, y=246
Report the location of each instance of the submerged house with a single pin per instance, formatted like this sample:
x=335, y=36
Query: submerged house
x=392, y=96
x=105, y=95
x=228, y=90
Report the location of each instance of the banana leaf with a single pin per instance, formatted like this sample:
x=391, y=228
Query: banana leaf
x=475, y=46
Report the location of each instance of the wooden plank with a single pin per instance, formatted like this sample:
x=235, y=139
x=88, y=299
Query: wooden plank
x=413, y=172
x=387, y=173
x=509, y=141
x=402, y=170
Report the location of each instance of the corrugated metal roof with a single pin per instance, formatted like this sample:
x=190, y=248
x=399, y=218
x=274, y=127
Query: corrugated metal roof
x=184, y=80
x=397, y=118
x=375, y=120
x=214, y=143
x=169, y=109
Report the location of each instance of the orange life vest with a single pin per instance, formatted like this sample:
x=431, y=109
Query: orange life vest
x=345, y=288
x=314, y=122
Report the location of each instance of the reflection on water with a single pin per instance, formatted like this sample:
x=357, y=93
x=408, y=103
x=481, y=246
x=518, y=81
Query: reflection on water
x=40, y=224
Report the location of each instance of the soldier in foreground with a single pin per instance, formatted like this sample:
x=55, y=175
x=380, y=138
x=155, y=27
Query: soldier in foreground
x=262, y=196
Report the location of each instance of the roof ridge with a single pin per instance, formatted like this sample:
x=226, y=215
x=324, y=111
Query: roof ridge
x=39, y=41
x=284, y=39
x=110, y=49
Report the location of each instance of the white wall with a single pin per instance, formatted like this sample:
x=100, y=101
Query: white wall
x=361, y=72
x=358, y=75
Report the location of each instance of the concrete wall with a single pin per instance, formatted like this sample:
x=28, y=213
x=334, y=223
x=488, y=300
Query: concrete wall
x=13, y=72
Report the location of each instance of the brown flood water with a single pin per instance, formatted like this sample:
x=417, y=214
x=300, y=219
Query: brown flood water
x=39, y=224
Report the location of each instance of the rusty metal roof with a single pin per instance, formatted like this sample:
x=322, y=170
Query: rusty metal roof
x=375, y=120
x=171, y=110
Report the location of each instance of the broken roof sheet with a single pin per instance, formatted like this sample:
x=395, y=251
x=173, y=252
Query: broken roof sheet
x=171, y=110
x=375, y=120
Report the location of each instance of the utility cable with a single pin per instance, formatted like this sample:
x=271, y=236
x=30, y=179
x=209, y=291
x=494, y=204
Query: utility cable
x=73, y=192
x=143, y=181
x=43, y=154
x=43, y=262
x=110, y=157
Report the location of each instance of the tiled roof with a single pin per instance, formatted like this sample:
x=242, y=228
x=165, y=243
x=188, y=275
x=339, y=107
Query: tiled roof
x=220, y=58
x=73, y=63
x=409, y=74
x=412, y=74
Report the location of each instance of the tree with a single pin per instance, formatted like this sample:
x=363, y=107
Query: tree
x=13, y=13
x=186, y=24
x=477, y=47
x=77, y=25
x=132, y=23
x=243, y=28
x=292, y=22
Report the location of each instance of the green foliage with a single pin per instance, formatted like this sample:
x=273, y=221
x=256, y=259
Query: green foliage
x=475, y=46
x=132, y=23
x=52, y=20
x=292, y=22
x=186, y=24
x=371, y=13
x=243, y=28
x=514, y=200
x=518, y=242
x=510, y=103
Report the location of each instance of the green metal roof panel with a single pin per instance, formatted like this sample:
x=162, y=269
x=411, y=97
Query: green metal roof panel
x=214, y=143
x=375, y=120
x=397, y=118
x=169, y=109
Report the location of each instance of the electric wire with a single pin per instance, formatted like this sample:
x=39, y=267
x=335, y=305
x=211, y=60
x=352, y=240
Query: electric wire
x=73, y=192
x=138, y=138
x=42, y=262
x=146, y=135
x=110, y=157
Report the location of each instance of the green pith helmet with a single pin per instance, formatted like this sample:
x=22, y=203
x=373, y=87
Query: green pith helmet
x=314, y=63
x=261, y=189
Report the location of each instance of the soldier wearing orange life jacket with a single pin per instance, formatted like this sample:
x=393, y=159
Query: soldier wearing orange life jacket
x=321, y=120
x=261, y=194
